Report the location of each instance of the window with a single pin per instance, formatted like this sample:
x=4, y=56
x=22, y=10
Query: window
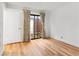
x=34, y=25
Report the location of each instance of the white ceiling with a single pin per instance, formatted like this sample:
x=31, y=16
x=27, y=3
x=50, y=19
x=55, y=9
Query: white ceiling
x=37, y=5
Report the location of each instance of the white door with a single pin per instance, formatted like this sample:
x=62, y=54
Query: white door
x=13, y=26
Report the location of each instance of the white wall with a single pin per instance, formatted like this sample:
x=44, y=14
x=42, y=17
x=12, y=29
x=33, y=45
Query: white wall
x=13, y=25
x=1, y=28
x=64, y=24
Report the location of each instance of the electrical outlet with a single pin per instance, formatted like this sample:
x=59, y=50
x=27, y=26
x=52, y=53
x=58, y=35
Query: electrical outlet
x=61, y=37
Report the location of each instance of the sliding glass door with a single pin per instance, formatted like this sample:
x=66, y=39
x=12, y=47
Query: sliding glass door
x=35, y=26
x=31, y=27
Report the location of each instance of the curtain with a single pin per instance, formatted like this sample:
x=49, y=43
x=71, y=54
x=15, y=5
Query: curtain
x=26, y=24
x=42, y=18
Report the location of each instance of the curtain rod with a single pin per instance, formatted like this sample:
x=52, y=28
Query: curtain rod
x=34, y=15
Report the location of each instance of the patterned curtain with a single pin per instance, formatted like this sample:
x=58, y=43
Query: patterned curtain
x=42, y=18
x=26, y=24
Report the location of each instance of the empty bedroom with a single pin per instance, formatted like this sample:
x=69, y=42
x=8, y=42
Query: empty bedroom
x=41, y=29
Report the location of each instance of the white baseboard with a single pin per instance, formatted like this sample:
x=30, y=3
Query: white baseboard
x=56, y=38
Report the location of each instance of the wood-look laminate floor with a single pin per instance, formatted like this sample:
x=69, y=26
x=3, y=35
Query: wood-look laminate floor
x=41, y=47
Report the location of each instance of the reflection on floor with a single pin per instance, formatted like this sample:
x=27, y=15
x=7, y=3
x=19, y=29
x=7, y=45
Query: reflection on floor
x=41, y=47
